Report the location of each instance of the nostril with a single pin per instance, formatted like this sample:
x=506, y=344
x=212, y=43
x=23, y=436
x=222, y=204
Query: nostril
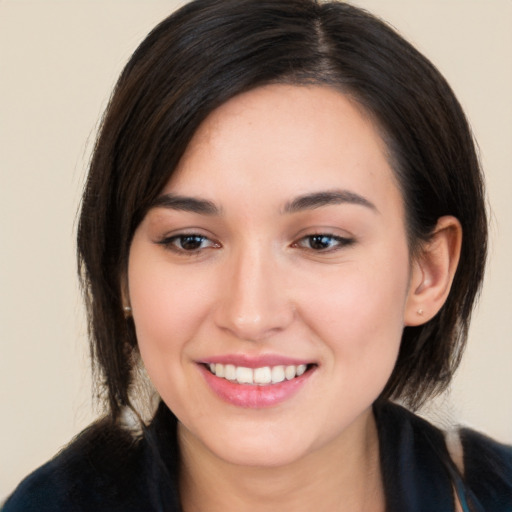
x=255, y=326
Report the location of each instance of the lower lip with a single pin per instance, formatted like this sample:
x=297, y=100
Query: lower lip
x=253, y=396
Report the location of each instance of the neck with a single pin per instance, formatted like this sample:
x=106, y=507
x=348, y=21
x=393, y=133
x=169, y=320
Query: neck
x=342, y=475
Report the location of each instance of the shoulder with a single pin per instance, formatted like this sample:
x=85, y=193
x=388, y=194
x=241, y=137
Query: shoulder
x=419, y=456
x=97, y=471
x=487, y=470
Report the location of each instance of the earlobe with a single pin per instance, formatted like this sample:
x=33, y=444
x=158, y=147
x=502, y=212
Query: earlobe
x=125, y=297
x=433, y=271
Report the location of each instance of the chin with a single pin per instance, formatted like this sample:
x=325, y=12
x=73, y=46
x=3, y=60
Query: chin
x=261, y=453
x=249, y=443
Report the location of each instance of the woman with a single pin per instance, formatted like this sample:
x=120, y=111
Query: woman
x=284, y=223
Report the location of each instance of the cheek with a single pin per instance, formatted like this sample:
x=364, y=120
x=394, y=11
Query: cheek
x=167, y=306
x=359, y=311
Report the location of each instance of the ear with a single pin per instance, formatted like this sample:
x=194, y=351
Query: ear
x=432, y=272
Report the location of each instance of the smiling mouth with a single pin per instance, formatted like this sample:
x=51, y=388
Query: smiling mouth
x=262, y=376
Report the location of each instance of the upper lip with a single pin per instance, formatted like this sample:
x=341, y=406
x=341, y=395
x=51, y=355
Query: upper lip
x=255, y=361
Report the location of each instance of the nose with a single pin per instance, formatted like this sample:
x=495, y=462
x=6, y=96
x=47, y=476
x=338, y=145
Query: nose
x=254, y=304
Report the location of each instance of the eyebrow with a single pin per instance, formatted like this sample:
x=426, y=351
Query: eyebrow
x=327, y=198
x=186, y=204
x=304, y=202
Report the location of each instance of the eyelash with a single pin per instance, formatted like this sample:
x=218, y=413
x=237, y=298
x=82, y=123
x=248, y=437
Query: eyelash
x=331, y=243
x=172, y=242
x=324, y=238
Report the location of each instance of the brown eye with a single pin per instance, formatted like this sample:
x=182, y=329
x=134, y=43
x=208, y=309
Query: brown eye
x=323, y=242
x=188, y=243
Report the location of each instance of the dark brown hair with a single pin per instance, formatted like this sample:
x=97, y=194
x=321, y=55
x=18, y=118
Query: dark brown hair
x=211, y=50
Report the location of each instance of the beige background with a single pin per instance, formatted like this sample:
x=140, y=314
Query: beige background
x=58, y=62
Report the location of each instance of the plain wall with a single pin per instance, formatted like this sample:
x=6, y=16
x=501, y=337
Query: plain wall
x=58, y=63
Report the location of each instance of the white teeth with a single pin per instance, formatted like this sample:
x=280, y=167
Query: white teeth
x=258, y=376
x=263, y=375
x=229, y=371
x=290, y=372
x=219, y=370
x=277, y=374
x=244, y=375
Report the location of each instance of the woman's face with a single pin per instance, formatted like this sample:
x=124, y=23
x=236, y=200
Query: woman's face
x=269, y=285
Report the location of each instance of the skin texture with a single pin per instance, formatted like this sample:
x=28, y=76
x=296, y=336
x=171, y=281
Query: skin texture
x=256, y=283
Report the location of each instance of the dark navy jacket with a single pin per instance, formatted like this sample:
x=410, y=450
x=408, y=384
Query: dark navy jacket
x=106, y=469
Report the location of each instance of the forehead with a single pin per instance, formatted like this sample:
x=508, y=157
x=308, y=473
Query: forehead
x=284, y=140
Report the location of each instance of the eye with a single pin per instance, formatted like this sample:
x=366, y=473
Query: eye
x=188, y=243
x=323, y=242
